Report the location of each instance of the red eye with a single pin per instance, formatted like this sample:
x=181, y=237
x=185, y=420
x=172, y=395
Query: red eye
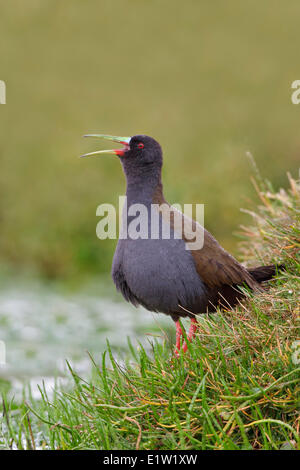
x=140, y=145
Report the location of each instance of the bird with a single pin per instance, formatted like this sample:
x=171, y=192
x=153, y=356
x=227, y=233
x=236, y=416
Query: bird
x=164, y=274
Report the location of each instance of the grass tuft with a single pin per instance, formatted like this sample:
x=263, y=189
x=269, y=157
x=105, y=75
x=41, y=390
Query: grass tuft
x=237, y=387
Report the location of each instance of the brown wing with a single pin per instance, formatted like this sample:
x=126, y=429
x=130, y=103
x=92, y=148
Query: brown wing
x=217, y=267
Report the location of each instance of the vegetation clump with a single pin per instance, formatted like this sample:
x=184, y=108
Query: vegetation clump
x=237, y=387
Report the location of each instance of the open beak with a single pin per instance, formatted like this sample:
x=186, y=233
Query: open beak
x=121, y=140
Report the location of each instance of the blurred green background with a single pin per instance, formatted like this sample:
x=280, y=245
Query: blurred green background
x=209, y=80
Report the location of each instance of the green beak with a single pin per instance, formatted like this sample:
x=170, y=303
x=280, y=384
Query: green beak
x=121, y=140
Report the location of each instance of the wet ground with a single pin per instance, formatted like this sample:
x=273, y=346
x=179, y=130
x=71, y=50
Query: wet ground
x=42, y=326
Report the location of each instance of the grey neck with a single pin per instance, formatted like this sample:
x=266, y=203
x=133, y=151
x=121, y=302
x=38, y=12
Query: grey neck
x=143, y=184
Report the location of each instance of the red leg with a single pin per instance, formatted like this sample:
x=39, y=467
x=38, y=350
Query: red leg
x=179, y=335
x=192, y=331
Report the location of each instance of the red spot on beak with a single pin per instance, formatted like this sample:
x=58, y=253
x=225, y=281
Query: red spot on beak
x=121, y=152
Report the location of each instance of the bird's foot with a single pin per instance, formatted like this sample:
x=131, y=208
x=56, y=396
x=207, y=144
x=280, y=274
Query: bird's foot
x=191, y=334
x=179, y=335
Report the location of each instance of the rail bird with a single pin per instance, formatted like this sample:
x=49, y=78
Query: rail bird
x=164, y=274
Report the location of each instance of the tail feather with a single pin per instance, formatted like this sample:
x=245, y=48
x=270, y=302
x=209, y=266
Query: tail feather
x=264, y=273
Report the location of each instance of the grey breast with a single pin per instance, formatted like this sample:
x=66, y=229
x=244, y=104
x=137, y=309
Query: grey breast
x=158, y=273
